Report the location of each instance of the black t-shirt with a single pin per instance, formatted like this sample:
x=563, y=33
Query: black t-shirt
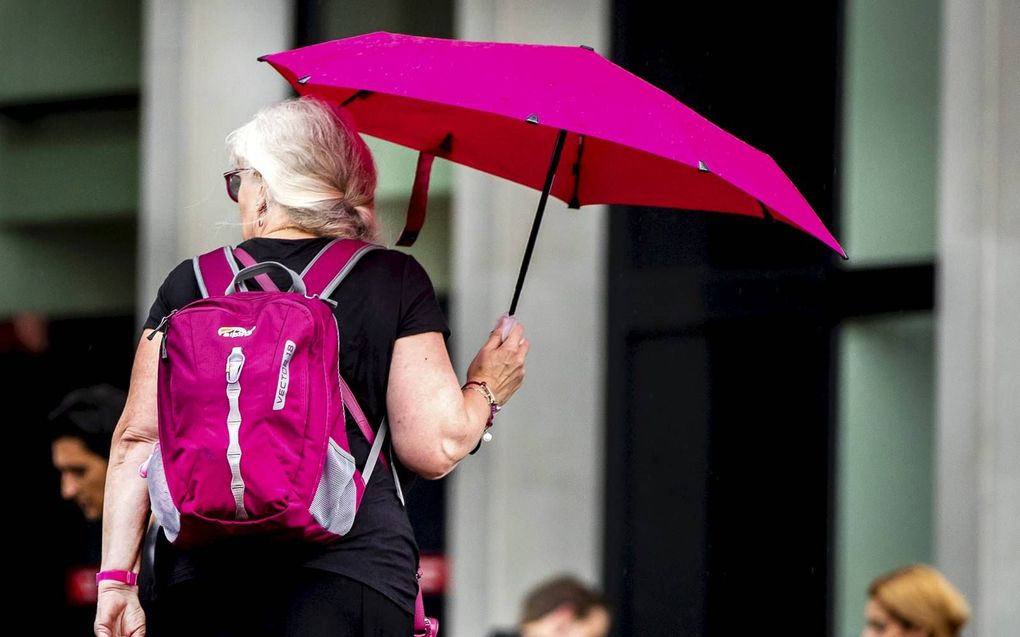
x=386, y=296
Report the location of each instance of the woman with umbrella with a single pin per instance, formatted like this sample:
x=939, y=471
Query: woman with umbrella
x=303, y=177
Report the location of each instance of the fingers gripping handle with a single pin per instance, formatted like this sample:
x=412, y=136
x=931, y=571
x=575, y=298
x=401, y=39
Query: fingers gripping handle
x=508, y=322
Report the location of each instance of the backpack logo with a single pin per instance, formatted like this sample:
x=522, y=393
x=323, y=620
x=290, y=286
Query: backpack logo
x=281, y=385
x=234, y=332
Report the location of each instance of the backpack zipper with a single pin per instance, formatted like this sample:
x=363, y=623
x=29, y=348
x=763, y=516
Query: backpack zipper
x=164, y=326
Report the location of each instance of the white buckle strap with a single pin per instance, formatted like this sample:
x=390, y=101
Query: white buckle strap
x=373, y=458
x=235, y=362
x=373, y=454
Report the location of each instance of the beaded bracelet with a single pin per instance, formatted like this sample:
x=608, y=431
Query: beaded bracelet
x=482, y=388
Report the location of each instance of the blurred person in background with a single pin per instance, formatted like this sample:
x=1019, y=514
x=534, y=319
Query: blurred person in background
x=914, y=601
x=80, y=430
x=562, y=607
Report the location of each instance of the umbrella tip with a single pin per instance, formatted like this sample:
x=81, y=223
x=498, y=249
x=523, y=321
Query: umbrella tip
x=532, y=119
x=304, y=80
x=703, y=167
x=587, y=48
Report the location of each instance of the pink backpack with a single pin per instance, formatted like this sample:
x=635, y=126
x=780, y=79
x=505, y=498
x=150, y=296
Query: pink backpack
x=252, y=431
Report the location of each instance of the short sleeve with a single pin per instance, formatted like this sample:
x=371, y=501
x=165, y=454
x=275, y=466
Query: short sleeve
x=178, y=289
x=419, y=308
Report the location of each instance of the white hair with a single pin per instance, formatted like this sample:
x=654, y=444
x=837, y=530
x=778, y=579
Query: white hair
x=313, y=164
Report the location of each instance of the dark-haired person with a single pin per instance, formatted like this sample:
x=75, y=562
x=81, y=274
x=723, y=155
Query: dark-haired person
x=563, y=607
x=80, y=430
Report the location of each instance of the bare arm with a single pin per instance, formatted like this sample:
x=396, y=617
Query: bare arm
x=435, y=424
x=126, y=503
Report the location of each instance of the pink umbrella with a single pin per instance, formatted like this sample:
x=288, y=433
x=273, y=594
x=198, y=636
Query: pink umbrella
x=504, y=108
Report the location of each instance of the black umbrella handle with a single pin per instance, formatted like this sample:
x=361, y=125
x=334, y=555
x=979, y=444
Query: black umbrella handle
x=560, y=140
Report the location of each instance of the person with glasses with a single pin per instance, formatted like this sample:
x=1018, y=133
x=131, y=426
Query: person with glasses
x=301, y=177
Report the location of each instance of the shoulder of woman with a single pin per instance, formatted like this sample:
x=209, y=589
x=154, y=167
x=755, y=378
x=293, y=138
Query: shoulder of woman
x=388, y=259
x=180, y=284
x=181, y=271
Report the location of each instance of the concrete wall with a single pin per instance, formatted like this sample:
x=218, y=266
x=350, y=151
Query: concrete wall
x=529, y=504
x=200, y=81
x=978, y=441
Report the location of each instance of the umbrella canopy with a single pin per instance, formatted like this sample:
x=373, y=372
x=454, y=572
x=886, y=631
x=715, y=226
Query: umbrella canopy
x=500, y=108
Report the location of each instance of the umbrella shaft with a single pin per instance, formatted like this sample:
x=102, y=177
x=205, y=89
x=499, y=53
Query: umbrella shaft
x=560, y=139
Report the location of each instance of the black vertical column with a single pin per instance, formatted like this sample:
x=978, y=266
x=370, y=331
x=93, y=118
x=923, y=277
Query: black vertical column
x=719, y=433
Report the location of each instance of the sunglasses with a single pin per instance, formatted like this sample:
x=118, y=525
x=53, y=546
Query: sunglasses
x=233, y=179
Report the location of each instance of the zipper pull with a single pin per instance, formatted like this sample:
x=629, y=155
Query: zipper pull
x=163, y=325
x=158, y=328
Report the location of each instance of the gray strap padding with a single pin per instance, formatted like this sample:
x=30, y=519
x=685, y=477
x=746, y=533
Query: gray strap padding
x=235, y=363
x=198, y=277
x=325, y=248
x=228, y=254
x=373, y=455
x=396, y=478
x=342, y=274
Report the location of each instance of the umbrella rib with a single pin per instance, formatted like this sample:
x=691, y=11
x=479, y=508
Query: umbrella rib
x=575, y=203
x=560, y=139
x=358, y=95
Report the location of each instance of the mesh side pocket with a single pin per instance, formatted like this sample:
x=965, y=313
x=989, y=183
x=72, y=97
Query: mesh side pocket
x=159, y=497
x=336, y=497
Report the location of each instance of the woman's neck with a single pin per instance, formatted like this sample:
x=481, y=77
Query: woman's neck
x=287, y=232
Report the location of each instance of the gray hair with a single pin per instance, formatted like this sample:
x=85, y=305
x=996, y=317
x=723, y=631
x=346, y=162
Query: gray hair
x=314, y=165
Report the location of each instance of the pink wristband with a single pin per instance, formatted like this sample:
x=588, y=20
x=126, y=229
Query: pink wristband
x=128, y=577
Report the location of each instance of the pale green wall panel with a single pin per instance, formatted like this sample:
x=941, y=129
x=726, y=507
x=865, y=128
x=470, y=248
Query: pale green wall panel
x=884, y=490
x=396, y=166
x=890, y=131
x=432, y=248
x=70, y=166
x=884, y=494
x=68, y=169
x=67, y=48
x=69, y=270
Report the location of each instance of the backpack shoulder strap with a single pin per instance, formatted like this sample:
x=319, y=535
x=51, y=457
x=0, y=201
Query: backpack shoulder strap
x=247, y=261
x=333, y=263
x=322, y=276
x=214, y=271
